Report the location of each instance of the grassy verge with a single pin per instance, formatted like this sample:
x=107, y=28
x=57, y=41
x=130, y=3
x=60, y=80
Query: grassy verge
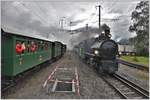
x=137, y=60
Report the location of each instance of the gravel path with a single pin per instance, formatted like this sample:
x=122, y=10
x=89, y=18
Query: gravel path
x=91, y=85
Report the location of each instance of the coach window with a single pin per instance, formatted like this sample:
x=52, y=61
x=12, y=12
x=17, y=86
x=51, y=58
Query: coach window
x=39, y=46
x=50, y=45
x=18, y=47
x=33, y=46
x=46, y=46
x=28, y=46
x=23, y=47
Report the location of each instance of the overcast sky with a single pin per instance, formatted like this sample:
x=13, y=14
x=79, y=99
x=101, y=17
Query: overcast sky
x=43, y=17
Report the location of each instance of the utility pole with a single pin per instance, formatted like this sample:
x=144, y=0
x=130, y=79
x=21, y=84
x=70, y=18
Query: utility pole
x=71, y=32
x=99, y=6
x=86, y=27
x=70, y=25
x=62, y=22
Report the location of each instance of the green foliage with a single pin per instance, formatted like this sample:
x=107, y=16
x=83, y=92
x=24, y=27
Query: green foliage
x=136, y=59
x=140, y=25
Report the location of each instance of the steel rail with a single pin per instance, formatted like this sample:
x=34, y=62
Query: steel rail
x=141, y=67
x=136, y=87
x=114, y=87
x=18, y=79
x=129, y=85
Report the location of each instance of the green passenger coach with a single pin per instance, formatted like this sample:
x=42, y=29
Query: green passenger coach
x=56, y=49
x=20, y=52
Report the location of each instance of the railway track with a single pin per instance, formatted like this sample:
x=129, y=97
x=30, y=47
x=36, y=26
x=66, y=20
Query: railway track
x=6, y=84
x=127, y=89
x=141, y=67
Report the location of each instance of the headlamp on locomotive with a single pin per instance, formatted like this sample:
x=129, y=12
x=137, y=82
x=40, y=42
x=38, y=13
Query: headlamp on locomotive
x=96, y=52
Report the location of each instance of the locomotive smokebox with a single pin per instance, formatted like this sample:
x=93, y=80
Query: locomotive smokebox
x=107, y=49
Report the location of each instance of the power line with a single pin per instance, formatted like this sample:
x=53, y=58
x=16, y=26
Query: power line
x=92, y=16
x=35, y=14
x=41, y=9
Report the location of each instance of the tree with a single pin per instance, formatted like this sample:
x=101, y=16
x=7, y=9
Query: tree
x=140, y=25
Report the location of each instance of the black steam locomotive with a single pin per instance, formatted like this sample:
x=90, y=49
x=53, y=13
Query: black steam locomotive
x=101, y=53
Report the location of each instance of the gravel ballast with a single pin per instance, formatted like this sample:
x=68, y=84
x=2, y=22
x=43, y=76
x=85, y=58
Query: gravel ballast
x=91, y=85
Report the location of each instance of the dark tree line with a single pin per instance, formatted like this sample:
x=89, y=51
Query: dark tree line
x=140, y=25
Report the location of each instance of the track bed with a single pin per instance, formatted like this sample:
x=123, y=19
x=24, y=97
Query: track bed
x=90, y=84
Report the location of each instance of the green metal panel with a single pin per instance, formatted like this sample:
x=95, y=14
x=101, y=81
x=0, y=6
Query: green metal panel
x=56, y=49
x=30, y=60
x=13, y=64
x=7, y=54
x=53, y=50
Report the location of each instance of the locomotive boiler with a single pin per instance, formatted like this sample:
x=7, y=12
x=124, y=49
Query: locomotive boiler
x=102, y=53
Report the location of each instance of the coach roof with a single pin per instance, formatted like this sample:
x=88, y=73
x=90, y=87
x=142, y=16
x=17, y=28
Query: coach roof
x=16, y=32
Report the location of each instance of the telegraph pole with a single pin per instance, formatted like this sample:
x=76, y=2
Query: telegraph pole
x=70, y=25
x=62, y=22
x=71, y=32
x=99, y=6
x=86, y=27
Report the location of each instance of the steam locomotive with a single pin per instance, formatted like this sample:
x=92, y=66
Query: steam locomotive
x=101, y=53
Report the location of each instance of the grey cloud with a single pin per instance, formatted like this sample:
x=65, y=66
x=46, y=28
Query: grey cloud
x=51, y=12
x=23, y=20
x=82, y=9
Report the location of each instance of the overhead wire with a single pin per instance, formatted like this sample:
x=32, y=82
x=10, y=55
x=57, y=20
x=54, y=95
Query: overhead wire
x=35, y=14
x=40, y=9
x=102, y=2
x=89, y=20
x=93, y=15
